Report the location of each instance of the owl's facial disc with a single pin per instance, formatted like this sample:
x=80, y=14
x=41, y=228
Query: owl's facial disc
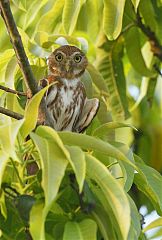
x=67, y=62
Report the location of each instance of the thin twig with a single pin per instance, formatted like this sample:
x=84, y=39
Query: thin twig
x=6, y=89
x=11, y=113
x=23, y=62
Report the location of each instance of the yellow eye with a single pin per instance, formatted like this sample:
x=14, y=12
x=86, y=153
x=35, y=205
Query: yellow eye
x=77, y=58
x=58, y=57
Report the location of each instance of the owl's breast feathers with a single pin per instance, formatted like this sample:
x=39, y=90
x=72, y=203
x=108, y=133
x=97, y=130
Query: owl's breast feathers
x=65, y=100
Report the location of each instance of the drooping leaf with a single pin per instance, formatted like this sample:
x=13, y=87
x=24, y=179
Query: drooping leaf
x=104, y=128
x=115, y=195
x=93, y=18
x=31, y=113
x=151, y=185
x=103, y=222
x=147, y=11
x=8, y=134
x=84, y=230
x=37, y=219
x=51, y=18
x=135, y=3
x=111, y=68
x=70, y=14
x=77, y=161
x=113, y=16
x=92, y=143
x=54, y=159
x=135, y=228
x=137, y=60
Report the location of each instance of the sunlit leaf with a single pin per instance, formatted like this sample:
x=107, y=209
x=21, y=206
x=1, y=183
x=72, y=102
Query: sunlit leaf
x=92, y=143
x=135, y=228
x=32, y=110
x=70, y=14
x=135, y=3
x=37, y=219
x=103, y=223
x=113, y=191
x=104, y=128
x=77, y=161
x=8, y=134
x=113, y=15
x=151, y=186
x=137, y=59
x=154, y=224
x=54, y=159
x=84, y=230
x=51, y=18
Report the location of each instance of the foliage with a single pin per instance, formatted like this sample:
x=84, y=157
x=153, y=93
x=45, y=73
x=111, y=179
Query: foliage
x=63, y=185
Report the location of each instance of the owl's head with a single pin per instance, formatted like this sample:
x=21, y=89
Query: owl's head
x=67, y=62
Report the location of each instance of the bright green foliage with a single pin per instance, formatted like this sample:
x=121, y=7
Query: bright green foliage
x=89, y=186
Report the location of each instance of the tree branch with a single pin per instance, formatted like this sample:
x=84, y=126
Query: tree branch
x=156, y=47
x=23, y=62
x=6, y=89
x=11, y=113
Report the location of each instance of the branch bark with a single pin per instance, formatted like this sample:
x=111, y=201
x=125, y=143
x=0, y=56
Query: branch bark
x=6, y=89
x=156, y=47
x=22, y=59
x=11, y=113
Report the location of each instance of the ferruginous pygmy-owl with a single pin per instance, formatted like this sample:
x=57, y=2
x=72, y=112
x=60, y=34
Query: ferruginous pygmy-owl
x=66, y=100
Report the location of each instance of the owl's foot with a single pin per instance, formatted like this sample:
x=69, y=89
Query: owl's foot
x=89, y=111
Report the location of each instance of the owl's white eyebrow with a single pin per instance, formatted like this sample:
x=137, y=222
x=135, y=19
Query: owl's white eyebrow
x=76, y=53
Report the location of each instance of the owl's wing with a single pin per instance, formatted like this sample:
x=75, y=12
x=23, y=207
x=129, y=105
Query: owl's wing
x=89, y=111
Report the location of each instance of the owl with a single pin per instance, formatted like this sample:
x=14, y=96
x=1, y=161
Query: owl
x=66, y=100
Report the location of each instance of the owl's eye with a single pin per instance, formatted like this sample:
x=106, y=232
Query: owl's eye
x=77, y=58
x=58, y=57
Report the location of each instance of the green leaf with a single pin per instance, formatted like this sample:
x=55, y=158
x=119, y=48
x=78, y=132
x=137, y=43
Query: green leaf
x=93, y=18
x=154, y=224
x=97, y=78
x=5, y=58
x=31, y=113
x=3, y=161
x=8, y=134
x=151, y=185
x=77, y=161
x=137, y=60
x=85, y=230
x=135, y=3
x=147, y=11
x=110, y=66
x=115, y=195
x=113, y=16
x=54, y=159
x=92, y=143
x=51, y=18
x=37, y=219
x=70, y=14
x=103, y=223
x=104, y=128
x=135, y=229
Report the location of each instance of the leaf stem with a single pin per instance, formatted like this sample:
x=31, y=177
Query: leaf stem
x=17, y=173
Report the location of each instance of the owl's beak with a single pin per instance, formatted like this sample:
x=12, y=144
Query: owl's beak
x=67, y=66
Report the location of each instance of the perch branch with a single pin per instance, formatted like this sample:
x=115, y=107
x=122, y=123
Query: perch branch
x=6, y=89
x=11, y=113
x=156, y=47
x=23, y=62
